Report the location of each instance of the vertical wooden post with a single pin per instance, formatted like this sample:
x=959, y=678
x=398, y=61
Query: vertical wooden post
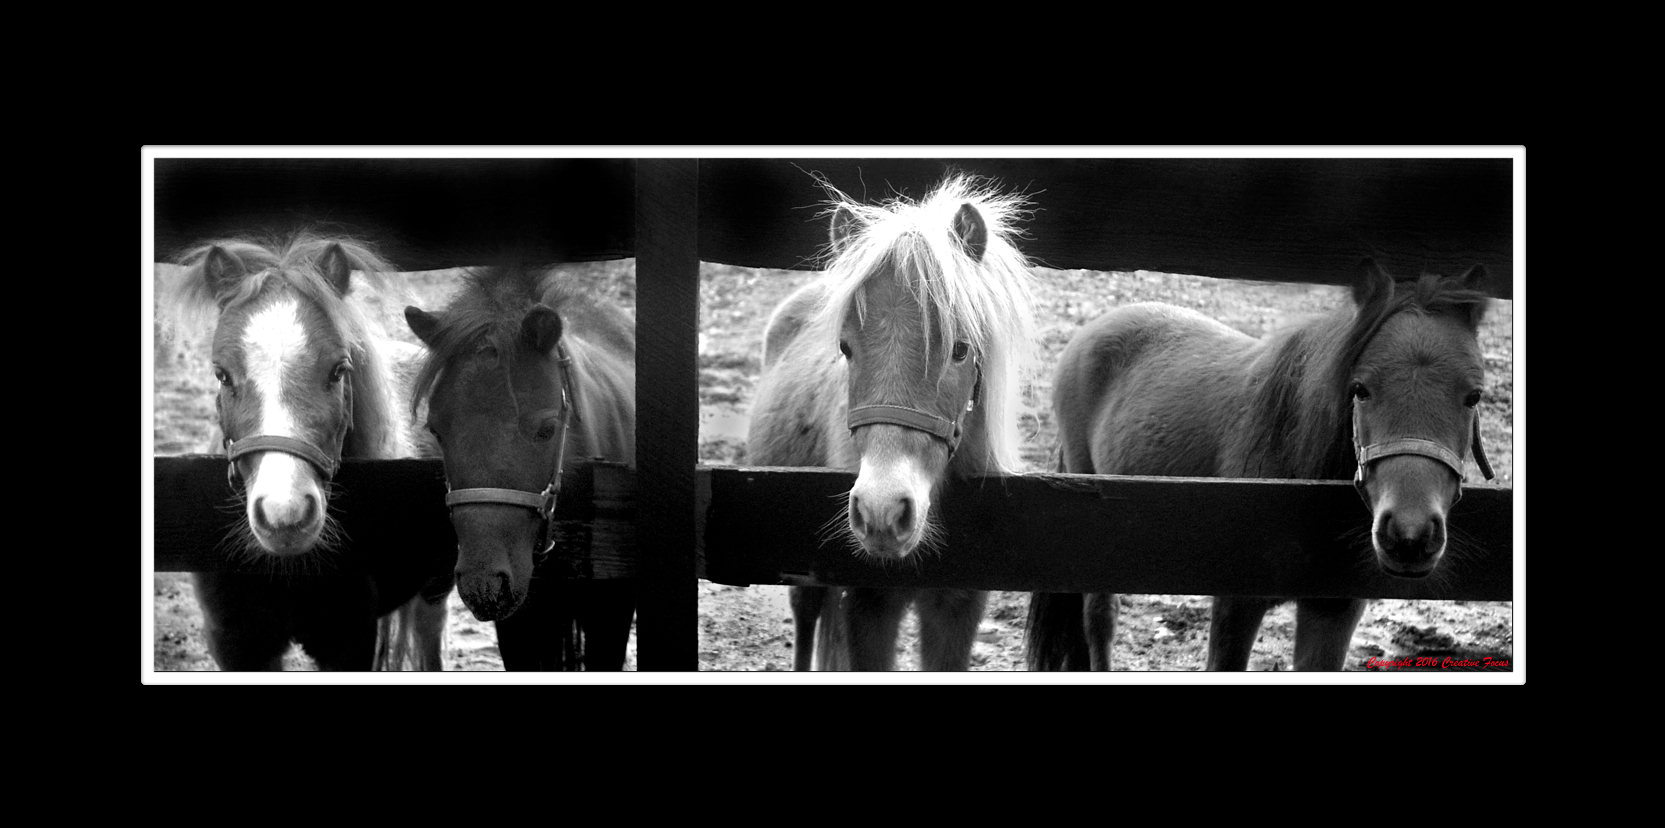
x=667, y=409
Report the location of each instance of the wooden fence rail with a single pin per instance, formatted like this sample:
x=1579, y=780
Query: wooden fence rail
x=1048, y=532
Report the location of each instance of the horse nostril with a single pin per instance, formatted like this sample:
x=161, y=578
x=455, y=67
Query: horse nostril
x=904, y=517
x=858, y=521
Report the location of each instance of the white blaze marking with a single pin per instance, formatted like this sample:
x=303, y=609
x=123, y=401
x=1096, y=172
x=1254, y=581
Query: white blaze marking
x=273, y=339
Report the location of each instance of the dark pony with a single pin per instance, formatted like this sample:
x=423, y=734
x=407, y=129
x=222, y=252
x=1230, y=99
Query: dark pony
x=1382, y=390
x=528, y=374
x=899, y=365
x=307, y=378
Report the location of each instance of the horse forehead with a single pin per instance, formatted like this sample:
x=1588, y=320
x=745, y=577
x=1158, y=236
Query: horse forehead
x=474, y=388
x=1424, y=346
x=890, y=306
x=472, y=377
x=278, y=325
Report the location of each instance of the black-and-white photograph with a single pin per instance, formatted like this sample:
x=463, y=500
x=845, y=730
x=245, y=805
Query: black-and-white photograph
x=832, y=414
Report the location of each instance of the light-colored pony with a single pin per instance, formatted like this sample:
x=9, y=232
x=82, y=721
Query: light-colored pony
x=306, y=379
x=900, y=364
x=1382, y=390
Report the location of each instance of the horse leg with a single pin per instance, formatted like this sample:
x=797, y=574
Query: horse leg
x=336, y=621
x=537, y=635
x=1099, y=617
x=606, y=610
x=806, y=608
x=243, y=621
x=431, y=615
x=948, y=620
x=872, y=618
x=1233, y=625
x=1054, y=636
x=1324, y=631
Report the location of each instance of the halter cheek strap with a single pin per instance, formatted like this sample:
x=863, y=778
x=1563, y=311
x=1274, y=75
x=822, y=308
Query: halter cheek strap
x=326, y=463
x=541, y=502
x=942, y=428
x=1369, y=453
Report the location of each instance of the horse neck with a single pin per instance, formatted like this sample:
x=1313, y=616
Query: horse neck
x=1298, y=423
x=604, y=384
x=976, y=455
x=378, y=432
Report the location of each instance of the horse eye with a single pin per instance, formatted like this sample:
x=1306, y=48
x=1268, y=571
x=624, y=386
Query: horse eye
x=962, y=349
x=1473, y=399
x=546, y=431
x=844, y=348
x=221, y=375
x=1358, y=391
x=340, y=371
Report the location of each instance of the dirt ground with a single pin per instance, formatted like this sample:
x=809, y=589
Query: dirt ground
x=749, y=628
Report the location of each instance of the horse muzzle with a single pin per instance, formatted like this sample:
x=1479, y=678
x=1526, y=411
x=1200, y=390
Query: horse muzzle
x=494, y=560
x=1410, y=484
x=286, y=505
x=890, y=506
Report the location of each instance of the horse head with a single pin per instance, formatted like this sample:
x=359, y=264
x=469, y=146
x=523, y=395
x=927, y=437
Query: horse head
x=500, y=409
x=916, y=360
x=285, y=402
x=1414, y=389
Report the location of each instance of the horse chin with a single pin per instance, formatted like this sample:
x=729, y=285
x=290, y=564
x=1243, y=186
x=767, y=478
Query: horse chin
x=288, y=545
x=1408, y=557
x=489, y=600
x=493, y=592
x=1391, y=568
x=889, y=548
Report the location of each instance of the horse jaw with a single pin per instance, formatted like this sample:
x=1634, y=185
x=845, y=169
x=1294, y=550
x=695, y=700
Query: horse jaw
x=1410, y=497
x=285, y=505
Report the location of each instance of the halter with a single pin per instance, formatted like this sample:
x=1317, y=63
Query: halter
x=541, y=502
x=1368, y=453
x=327, y=463
x=940, y=427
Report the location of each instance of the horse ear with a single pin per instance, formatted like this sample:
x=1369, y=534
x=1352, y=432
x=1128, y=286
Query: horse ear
x=844, y=225
x=223, y=271
x=541, y=328
x=422, y=323
x=1372, y=284
x=336, y=269
x=1477, y=278
x=971, y=232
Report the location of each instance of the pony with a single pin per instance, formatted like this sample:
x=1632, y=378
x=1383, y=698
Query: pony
x=306, y=377
x=899, y=364
x=1383, y=390
x=526, y=373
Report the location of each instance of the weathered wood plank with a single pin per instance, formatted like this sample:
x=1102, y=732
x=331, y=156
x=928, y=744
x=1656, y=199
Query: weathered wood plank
x=667, y=409
x=421, y=213
x=1290, y=219
x=1293, y=220
x=393, y=513
x=1032, y=532
x=1073, y=533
